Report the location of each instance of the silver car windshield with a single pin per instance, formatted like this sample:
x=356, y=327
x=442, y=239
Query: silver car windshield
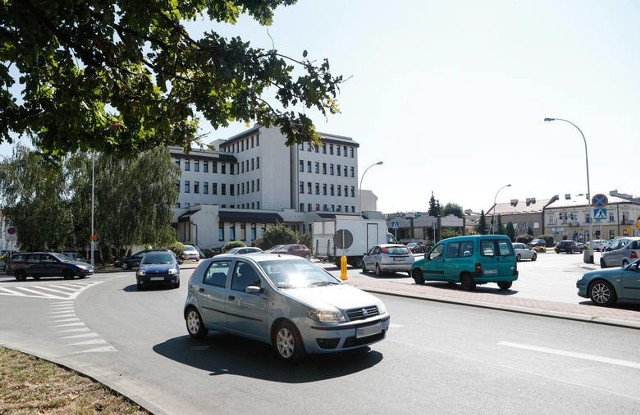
x=297, y=274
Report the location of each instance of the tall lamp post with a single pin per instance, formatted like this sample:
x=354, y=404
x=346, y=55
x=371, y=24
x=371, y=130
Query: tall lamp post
x=588, y=256
x=360, y=188
x=494, y=207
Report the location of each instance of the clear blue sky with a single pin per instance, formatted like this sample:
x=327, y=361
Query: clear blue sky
x=451, y=95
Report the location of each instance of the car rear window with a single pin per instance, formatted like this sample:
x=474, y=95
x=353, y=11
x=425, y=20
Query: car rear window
x=398, y=250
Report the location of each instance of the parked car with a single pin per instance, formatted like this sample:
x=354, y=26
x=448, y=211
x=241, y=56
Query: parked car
x=273, y=249
x=294, y=249
x=606, y=287
x=75, y=256
x=621, y=252
x=569, y=246
x=417, y=247
x=46, y=264
x=469, y=260
x=244, y=250
x=190, y=252
x=538, y=242
x=132, y=261
x=386, y=258
x=292, y=304
x=158, y=267
x=597, y=244
x=524, y=252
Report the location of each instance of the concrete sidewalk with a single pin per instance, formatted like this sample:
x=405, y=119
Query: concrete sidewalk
x=489, y=297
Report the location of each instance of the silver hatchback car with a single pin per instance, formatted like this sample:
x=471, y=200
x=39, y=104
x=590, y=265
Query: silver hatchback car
x=285, y=301
x=621, y=252
x=388, y=258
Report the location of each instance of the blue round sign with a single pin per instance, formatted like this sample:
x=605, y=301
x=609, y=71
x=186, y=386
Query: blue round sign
x=599, y=200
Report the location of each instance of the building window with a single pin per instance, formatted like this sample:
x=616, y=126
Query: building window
x=317, y=188
x=232, y=232
x=317, y=167
x=353, y=191
x=345, y=171
x=331, y=169
x=351, y=152
x=187, y=186
x=331, y=149
x=338, y=150
x=339, y=170
x=302, y=187
x=253, y=164
x=178, y=185
x=196, y=166
x=196, y=187
x=324, y=168
x=205, y=166
x=214, y=188
x=232, y=169
x=324, y=208
x=187, y=165
x=339, y=190
x=253, y=186
x=317, y=207
x=324, y=189
x=345, y=151
x=301, y=207
x=215, y=166
x=223, y=189
x=258, y=186
x=353, y=171
x=232, y=190
x=223, y=168
x=308, y=167
x=308, y=207
x=178, y=163
x=257, y=162
x=205, y=188
x=309, y=187
x=301, y=166
x=324, y=148
x=331, y=190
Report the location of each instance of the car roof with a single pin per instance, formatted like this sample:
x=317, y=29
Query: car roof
x=259, y=257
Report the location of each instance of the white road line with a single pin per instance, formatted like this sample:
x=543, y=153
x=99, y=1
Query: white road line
x=74, y=330
x=88, y=342
x=576, y=355
x=70, y=324
x=6, y=291
x=39, y=293
x=99, y=350
x=79, y=336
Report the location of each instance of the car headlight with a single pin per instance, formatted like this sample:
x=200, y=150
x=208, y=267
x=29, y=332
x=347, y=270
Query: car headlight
x=173, y=271
x=140, y=272
x=382, y=309
x=326, y=315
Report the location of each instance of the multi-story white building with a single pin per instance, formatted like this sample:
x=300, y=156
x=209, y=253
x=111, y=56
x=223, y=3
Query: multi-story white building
x=253, y=179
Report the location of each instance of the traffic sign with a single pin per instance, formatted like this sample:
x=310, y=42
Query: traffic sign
x=11, y=233
x=343, y=239
x=599, y=200
x=395, y=225
x=599, y=214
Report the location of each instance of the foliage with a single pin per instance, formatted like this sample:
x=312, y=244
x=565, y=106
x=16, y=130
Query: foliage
x=277, y=234
x=450, y=232
x=453, y=209
x=524, y=238
x=49, y=202
x=500, y=227
x=550, y=240
x=434, y=207
x=511, y=232
x=233, y=244
x=529, y=231
x=126, y=76
x=482, y=228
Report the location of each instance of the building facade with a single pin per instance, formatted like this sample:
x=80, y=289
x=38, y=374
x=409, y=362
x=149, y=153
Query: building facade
x=235, y=189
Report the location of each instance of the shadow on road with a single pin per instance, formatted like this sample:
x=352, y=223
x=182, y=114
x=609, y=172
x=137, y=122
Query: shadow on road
x=222, y=354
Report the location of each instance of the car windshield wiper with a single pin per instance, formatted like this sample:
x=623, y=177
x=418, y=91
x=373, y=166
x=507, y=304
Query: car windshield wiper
x=323, y=283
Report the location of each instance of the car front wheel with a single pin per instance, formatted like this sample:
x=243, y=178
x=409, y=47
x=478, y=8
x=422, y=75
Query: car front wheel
x=364, y=268
x=417, y=276
x=602, y=293
x=534, y=257
x=288, y=343
x=195, y=325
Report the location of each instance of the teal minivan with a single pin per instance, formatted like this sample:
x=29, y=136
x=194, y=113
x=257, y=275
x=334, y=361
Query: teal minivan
x=469, y=260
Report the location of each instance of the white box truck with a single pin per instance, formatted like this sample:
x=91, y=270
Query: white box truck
x=349, y=235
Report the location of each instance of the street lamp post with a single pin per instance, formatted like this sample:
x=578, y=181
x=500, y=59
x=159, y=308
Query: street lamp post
x=360, y=188
x=588, y=257
x=494, y=207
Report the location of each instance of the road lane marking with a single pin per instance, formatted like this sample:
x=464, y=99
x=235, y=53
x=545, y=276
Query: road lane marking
x=576, y=355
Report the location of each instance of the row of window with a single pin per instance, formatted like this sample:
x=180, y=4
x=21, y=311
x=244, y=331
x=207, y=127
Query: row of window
x=241, y=145
x=333, y=170
x=237, y=189
x=246, y=165
x=327, y=208
x=333, y=149
x=327, y=189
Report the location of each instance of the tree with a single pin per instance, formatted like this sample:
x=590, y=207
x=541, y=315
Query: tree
x=434, y=207
x=453, y=209
x=121, y=76
x=50, y=202
x=511, y=231
x=482, y=227
x=500, y=226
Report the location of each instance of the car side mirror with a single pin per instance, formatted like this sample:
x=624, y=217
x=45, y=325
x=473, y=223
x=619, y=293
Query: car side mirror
x=253, y=289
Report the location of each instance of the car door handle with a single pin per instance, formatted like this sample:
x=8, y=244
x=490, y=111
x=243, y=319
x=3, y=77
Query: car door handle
x=231, y=297
x=201, y=290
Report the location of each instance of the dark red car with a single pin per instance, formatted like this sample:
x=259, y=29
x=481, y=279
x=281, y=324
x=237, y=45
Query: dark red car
x=294, y=249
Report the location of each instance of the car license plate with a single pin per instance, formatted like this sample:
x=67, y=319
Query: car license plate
x=398, y=259
x=490, y=271
x=367, y=331
x=157, y=278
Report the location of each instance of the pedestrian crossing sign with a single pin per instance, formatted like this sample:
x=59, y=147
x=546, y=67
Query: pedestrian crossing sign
x=600, y=214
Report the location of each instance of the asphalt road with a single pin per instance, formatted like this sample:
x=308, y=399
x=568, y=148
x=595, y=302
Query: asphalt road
x=438, y=358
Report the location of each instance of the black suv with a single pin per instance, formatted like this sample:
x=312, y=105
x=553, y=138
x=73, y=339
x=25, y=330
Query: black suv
x=569, y=246
x=46, y=264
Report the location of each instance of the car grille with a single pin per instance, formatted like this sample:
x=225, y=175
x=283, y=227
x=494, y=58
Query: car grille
x=362, y=313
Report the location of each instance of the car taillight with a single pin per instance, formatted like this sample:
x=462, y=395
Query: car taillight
x=384, y=250
x=634, y=255
x=478, y=268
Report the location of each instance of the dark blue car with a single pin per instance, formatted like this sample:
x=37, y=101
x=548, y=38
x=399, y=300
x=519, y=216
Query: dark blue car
x=158, y=268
